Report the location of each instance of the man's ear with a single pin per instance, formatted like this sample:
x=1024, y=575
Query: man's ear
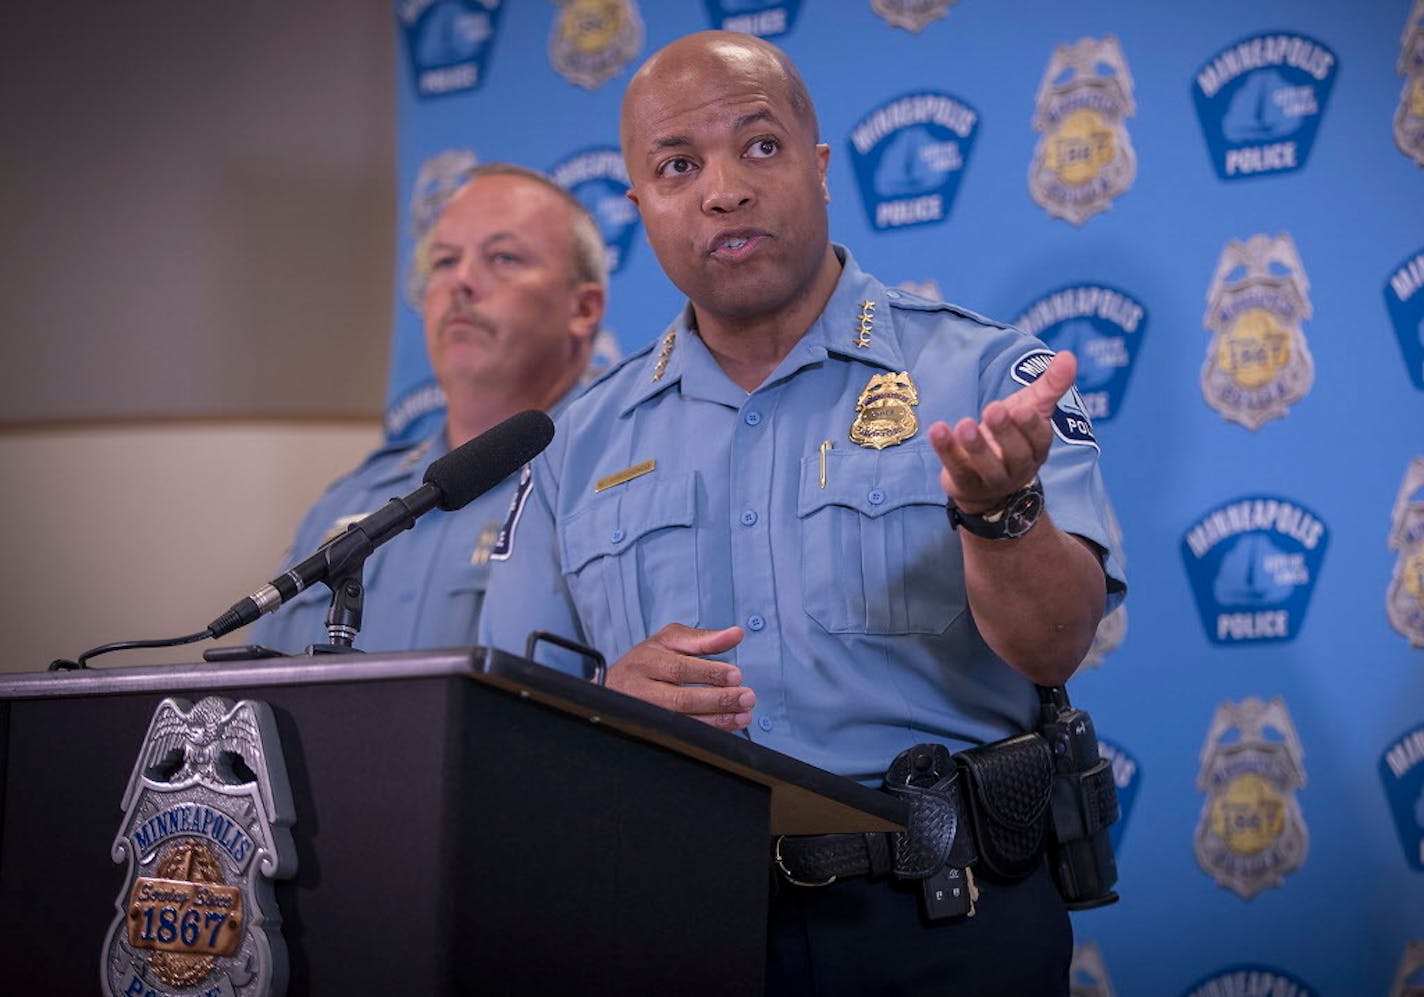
x=589, y=301
x=823, y=159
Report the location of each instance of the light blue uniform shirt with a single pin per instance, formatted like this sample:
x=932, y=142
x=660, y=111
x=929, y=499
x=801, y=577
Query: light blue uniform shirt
x=859, y=641
x=424, y=587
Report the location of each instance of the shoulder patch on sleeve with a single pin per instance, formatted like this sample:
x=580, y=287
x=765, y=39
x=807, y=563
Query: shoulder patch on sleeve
x=504, y=543
x=1070, y=418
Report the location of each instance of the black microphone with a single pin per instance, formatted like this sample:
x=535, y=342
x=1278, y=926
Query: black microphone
x=452, y=482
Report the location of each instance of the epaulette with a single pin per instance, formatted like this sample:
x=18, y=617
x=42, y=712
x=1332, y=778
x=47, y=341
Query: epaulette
x=901, y=298
x=637, y=354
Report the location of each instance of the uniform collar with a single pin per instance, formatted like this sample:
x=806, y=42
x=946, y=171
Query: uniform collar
x=678, y=357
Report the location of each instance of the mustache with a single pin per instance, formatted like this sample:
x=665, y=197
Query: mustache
x=458, y=314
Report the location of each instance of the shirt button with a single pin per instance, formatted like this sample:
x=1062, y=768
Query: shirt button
x=765, y=723
x=752, y=418
x=891, y=293
x=749, y=518
x=617, y=537
x=876, y=496
x=755, y=622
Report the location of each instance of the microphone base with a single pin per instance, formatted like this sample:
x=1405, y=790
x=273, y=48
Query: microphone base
x=333, y=649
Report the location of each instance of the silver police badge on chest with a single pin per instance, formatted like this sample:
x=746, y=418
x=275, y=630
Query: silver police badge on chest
x=205, y=831
x=885, y=411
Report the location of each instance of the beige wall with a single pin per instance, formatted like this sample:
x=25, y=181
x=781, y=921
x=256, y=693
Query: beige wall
x=136, y=532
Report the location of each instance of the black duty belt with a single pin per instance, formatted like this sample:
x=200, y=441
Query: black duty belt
x=984, y=809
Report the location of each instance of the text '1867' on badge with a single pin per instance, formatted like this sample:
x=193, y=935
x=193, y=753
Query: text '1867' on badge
x=206, y=829
x=1260, y=101
x=1257, y=364
x=447, y=42
x=910, y=154
x=1084, y=159
x=1405, y=602
x=1251, y=833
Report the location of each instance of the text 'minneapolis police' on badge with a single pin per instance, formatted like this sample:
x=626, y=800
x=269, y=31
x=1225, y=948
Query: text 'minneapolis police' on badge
x=1070, y=416
x=1405, y=601
x=1406, y=312
x=205, y=830
x=763, y=18
x=598, y=177
x=912, y=15
x=1103, y=327
x=1257, y=363
x=1401, y=769
x=447, y=42
x=1084, y=158
x=1251, y=834
x=1251, y=980
x=1409, y=117
x=592, y=40
x=910, y=154
x=1253, y=563
x=1260, y=101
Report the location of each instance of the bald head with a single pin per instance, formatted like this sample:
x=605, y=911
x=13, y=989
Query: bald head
x=686, y=65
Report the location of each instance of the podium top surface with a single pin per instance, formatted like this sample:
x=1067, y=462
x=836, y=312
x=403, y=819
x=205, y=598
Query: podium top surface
x=804, y=799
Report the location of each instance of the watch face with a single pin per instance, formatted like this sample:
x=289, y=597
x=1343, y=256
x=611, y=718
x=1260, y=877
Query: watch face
x=1023, y=513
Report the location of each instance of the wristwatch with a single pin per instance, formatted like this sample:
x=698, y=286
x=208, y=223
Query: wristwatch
x=1012, y=519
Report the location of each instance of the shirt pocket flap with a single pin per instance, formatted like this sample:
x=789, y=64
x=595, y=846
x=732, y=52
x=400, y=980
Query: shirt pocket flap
x=613, y=523
x=872, y=484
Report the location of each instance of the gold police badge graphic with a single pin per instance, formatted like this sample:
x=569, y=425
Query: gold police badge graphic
x=1084, y=159
x=1409, y=117
x=1251, y=833
x=205, y=830
x=594, y=39
x=912, y=15
x=1257, y=364
x=1405, y=602
x=885, y=411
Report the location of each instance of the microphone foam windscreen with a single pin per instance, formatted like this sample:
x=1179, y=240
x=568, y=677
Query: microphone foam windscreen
x=468, y=471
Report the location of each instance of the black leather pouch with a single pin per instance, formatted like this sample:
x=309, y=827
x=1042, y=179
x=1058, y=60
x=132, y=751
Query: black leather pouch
x=1008, y=785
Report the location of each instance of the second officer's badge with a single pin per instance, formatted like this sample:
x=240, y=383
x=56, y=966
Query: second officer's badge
x=1405, y=602
x=885, y=411
x=205, y=830
x=1258, y=363
x=1251, y=833
x=1084, y=159
x=593, y=40
x=1409, y=117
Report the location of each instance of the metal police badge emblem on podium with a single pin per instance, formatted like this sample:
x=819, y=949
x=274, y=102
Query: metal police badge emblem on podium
x=205, y=831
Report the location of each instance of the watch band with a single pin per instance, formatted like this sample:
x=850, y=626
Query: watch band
x=1012, y=519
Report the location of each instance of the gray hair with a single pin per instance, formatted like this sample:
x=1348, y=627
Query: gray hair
x=588, y=255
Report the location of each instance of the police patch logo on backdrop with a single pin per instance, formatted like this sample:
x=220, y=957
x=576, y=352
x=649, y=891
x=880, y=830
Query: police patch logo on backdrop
x=763, y=18
x=439, y=177
x=1251, y=834
x=1088, y=973
x=205, y=830
x=1405, y=600
x=1103, y=327
x=448, y=42
x=1070, y=416
x=1250, y=981
x=1403, y=298
x=1409, y=117
x=1253, y=563
x=910, y=154
x=1401, y=769
x=1112, y=628
x=1127, y=777
x=1257, y=363
x=593, y=40
x=912, y=15
x=1409, y=977
x=1084, y=158
x=1260, y=101
x=598, y=177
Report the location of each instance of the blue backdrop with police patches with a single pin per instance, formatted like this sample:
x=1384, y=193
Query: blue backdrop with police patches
x=1220, y=207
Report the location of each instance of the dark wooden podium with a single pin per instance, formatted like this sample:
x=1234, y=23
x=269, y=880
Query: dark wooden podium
x=466, y=822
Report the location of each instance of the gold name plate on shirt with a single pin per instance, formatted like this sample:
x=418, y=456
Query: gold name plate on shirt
x=628, y=474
